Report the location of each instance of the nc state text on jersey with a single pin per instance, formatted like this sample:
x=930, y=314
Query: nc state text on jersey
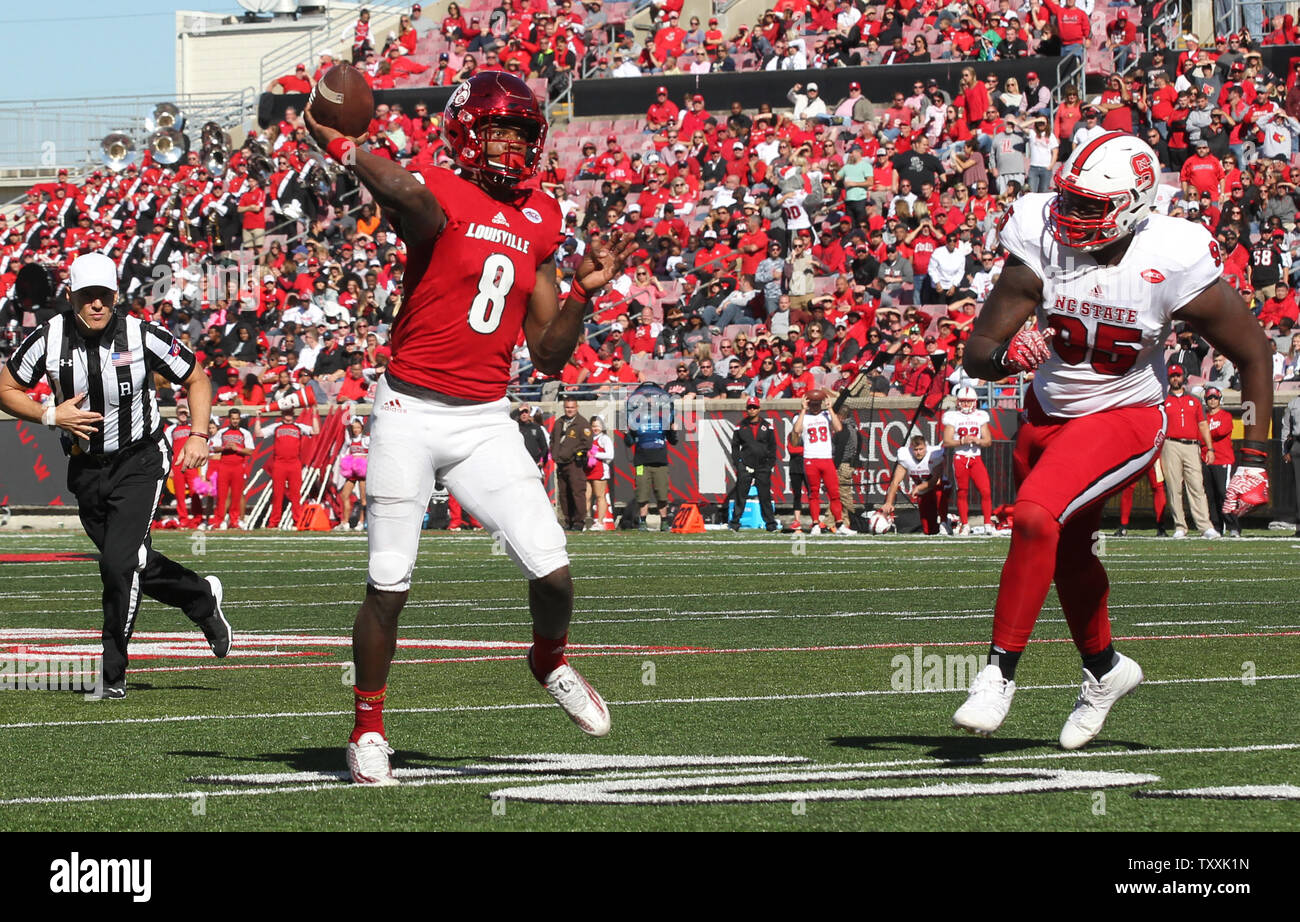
x=1092, y=309
x=497, y=235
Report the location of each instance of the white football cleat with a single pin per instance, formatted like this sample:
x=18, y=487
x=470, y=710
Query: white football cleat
x=1210, y=533
x=1180, y=532
x=988, y=703
x=845, y=530
x=964, y=529
x=815, y=530
x=1096, y=698
x=368, y=761
x=576, y=698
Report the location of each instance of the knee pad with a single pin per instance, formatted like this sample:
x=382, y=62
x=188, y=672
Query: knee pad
x=391, y=571
x=1034, y=521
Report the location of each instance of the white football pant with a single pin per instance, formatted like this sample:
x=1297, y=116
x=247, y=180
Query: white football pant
x=478, y=452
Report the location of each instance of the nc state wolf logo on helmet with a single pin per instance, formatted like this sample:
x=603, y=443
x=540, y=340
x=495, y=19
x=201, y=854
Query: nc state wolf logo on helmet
x=1143, y=170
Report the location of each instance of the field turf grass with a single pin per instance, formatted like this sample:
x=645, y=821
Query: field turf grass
x=751, y=686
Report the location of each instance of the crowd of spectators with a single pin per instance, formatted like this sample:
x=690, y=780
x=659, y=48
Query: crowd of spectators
x=781, y=249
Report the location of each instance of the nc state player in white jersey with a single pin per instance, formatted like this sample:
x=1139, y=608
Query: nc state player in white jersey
x=921, y=466
x=815, y=428
x=966, y=431
x=1105, y=277
x=480, y=266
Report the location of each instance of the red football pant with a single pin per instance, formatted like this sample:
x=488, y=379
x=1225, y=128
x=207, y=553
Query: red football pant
x=458, y=516
x=967, y=470
x=1065, y=469
x=230, y=484
x=1157, y=492
x=932, y=507
x=819, y=471
x=284, y=473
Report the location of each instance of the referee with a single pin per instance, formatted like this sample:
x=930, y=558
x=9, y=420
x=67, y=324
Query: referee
x=117, y=465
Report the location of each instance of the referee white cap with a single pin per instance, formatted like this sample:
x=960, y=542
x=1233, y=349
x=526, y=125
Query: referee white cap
x=93, y=270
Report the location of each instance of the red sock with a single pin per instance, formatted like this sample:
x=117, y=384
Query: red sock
x=369, y=712
x=547, y=654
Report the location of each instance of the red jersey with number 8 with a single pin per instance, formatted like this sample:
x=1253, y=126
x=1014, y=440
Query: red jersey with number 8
x=1111, y=322
x=466, y=293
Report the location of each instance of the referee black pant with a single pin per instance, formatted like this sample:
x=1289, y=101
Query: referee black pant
x=116, y=497
x=1216, y=490
x=763, y=481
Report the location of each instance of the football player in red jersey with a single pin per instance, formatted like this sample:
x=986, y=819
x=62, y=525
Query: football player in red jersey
x=1106, y=277
x=480, y=266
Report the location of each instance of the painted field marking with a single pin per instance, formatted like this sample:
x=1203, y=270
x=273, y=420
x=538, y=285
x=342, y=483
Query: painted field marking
x=559, y=767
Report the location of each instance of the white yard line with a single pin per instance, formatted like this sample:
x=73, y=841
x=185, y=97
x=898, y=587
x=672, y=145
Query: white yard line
x=475, y=708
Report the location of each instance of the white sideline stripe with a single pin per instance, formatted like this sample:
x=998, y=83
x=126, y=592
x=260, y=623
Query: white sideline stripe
x=528, y=706
x=729, y=572
x=494, y=778
x=1233, y=792
x=1183, y=623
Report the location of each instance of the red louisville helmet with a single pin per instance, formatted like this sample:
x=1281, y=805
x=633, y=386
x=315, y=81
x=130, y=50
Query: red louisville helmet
x=493, y=97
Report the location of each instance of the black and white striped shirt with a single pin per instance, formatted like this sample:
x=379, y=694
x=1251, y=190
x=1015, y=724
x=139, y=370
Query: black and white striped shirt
x=115, y=372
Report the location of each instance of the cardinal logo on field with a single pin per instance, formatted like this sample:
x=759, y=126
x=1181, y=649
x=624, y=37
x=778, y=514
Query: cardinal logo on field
x=532, y=214
x=501, y=219
x=1153, y=276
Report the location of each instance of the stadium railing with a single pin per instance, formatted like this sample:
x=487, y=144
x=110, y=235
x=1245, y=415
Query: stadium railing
x=333, y=37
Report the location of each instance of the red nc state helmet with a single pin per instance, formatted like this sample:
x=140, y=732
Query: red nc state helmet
x=487, y=98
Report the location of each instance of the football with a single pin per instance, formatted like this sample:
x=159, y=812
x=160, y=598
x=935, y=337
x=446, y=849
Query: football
x=342, y=100
x=880, y=523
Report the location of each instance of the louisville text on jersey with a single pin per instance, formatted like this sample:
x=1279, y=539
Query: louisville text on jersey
x=496, y=235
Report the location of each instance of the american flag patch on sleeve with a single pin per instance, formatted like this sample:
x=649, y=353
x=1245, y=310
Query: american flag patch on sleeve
x=122, y=358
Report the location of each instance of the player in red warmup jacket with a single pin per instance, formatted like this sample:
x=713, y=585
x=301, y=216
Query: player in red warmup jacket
x=1105, y=276
x=480, y=266
x=176, y=434
x=233, y=443
x=286, y=461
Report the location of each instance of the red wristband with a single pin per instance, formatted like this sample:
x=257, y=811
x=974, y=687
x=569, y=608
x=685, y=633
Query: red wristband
x=578, y=293
x=341, y=150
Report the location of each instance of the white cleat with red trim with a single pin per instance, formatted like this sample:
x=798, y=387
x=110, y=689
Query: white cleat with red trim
x=368, y=761
x=576, y=698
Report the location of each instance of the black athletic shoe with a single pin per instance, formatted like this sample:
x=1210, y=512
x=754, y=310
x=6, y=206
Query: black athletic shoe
x=109, y=693
x=215, y=627
x=1121, y=532
x=1161, y=533
x=734, y=526
x=772, y=526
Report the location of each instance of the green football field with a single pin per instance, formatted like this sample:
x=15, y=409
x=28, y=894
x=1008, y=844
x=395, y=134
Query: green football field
x=755, y=682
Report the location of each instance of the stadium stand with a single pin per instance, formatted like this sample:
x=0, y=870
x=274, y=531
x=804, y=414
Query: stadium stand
x=745, y=217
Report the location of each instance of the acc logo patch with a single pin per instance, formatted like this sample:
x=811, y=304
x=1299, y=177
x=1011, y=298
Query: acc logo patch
x=461, y=96
x=1153, y=276
x=532, y=214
